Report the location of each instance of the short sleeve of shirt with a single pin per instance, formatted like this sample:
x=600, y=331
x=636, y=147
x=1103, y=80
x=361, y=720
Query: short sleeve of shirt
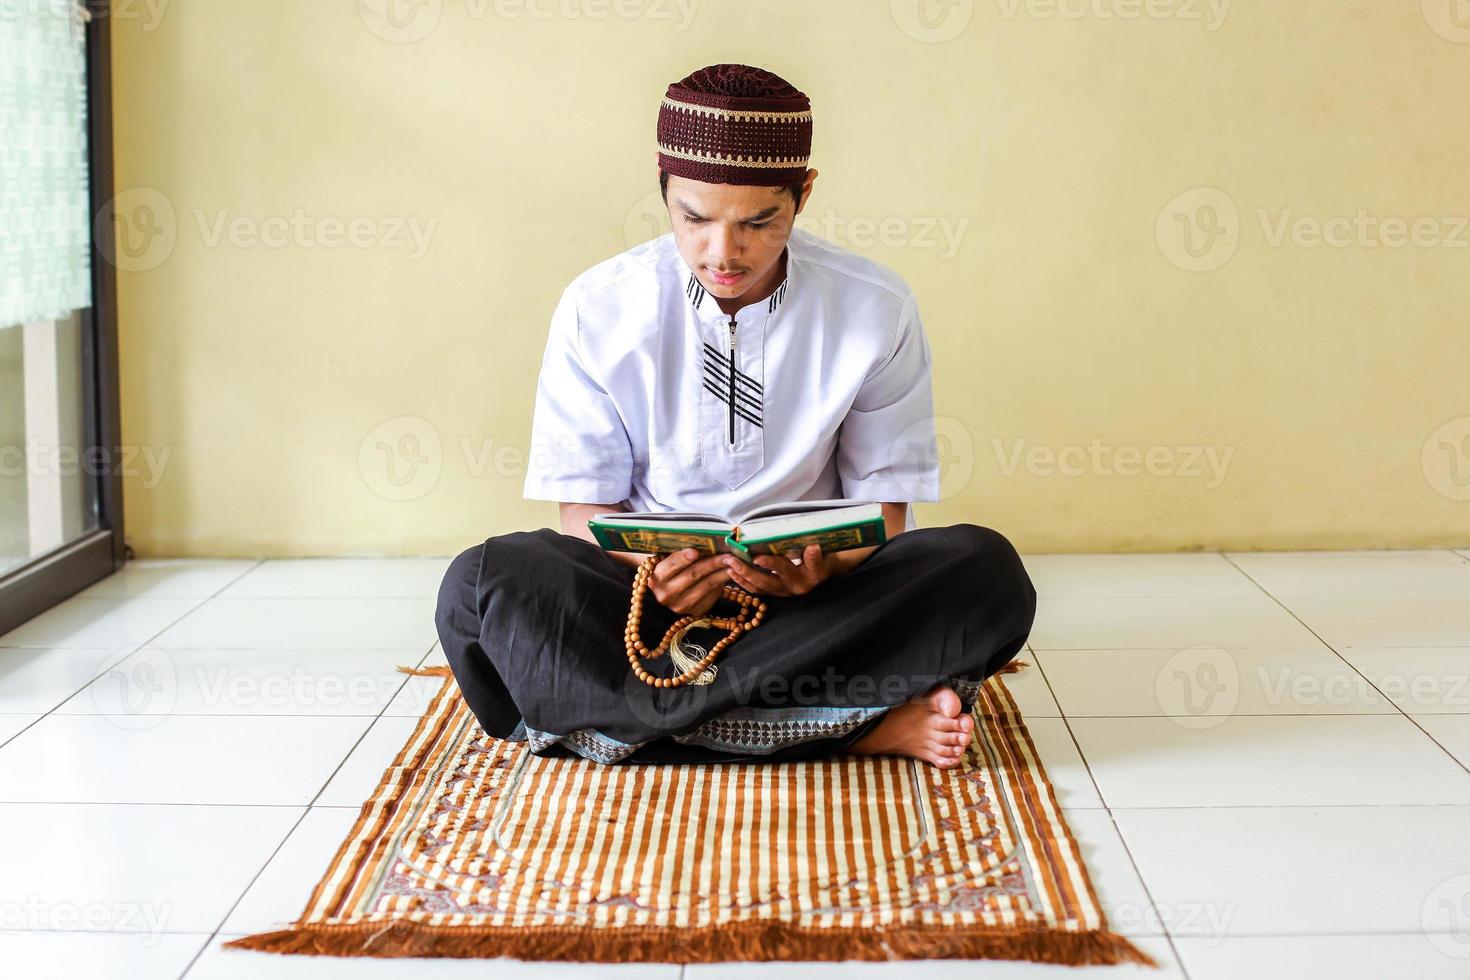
x=886, y=445
x=580, y=451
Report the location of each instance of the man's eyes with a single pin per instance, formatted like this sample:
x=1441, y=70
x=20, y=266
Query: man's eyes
x=748, y=224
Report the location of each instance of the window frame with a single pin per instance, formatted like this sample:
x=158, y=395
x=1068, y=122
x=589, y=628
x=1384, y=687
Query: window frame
x=35, y=586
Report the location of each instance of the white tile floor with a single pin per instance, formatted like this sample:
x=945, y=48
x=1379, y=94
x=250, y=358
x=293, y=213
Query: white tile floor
x=1265, y=758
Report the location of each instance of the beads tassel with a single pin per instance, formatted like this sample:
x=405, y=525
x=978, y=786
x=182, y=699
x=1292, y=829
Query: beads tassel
x=695, y=671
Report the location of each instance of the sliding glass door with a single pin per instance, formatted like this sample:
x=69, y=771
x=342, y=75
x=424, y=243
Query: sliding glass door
x=60, y=493
x=46, y=498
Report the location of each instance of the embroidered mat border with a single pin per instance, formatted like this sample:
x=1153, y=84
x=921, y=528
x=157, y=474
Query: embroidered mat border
x=1078, y=936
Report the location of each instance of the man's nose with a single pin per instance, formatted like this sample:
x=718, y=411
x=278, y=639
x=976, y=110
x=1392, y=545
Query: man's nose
x=723, y=244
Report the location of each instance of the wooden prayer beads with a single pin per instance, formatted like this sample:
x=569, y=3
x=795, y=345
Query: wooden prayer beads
x=737, y=625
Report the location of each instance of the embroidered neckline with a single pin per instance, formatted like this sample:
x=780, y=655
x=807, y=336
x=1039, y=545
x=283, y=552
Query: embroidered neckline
x=695, y=291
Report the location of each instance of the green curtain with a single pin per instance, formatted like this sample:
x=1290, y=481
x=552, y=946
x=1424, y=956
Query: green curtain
x=45, y=234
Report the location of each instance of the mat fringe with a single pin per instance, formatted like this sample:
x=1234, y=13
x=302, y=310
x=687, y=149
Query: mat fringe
x=426, y=671
x=1011, y=667
x=736, y=941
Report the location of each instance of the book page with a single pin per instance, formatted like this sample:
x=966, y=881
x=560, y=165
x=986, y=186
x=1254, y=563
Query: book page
x=798, y=507
x=663, y=517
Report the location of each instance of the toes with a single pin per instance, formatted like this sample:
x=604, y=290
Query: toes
x=964, y=724
x=943, y=755
x=945, y=701
x=946, y=750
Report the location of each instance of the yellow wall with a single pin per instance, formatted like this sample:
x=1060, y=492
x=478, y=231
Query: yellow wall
x=1332, y=382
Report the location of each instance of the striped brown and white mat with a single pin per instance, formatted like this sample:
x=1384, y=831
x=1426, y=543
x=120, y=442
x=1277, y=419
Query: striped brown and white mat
x=473, y=846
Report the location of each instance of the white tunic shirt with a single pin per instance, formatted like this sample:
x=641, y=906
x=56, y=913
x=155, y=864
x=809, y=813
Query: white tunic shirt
x=652, y=396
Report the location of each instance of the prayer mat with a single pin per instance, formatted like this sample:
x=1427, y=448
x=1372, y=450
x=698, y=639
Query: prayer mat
x=476, y=847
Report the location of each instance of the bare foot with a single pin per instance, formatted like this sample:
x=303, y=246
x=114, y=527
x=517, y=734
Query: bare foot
x=929, y=728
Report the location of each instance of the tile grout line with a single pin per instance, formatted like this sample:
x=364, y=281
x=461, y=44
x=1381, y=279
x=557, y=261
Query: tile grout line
x=684, y=968
x=301, y=819
x=1273, y=646
x=1107, y=808
x=1152, y=806
x=1353, y=667
x=131, y=653
x=196, y=607
x=1110, y=809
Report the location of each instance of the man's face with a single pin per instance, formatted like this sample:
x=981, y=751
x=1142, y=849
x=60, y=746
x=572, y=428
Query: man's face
x=730, y=228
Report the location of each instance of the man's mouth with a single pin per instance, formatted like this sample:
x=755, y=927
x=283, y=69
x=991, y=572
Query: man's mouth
x=725, y=279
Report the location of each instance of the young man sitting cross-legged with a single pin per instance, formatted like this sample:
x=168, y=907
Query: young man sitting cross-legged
x=734, y=362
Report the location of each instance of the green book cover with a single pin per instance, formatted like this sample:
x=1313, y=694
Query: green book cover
x=656, y=537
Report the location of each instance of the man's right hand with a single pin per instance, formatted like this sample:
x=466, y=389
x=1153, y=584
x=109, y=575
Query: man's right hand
x=688, y=584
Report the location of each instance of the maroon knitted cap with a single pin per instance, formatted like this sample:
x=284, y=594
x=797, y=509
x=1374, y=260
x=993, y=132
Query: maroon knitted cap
x=734, y=124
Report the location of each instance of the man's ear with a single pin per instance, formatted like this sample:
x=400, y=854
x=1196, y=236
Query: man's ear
x=806, y=192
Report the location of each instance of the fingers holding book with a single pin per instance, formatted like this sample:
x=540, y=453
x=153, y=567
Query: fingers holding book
x=687, y=584
x=781, y=575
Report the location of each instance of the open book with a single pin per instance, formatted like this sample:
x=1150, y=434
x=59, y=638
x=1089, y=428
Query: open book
x=774, y=529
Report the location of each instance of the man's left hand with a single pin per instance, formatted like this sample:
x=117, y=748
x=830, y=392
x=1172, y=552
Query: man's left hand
x=782, y=576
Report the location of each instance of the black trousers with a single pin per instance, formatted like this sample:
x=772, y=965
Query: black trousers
x=532, y=625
